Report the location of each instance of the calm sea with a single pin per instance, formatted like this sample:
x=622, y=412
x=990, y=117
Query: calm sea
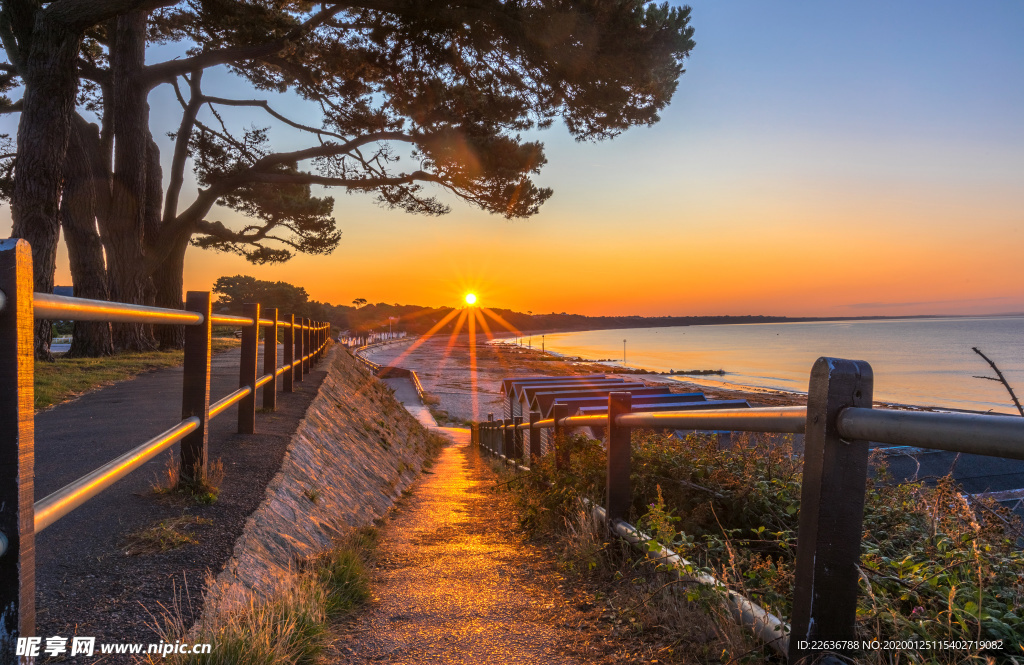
x=927, y=362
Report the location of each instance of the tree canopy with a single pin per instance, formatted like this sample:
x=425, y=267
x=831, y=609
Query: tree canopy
x=413, y=98
x=240, y=289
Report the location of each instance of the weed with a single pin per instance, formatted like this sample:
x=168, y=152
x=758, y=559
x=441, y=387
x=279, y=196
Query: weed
x=312, y=493
x=165, y=535
x=203, y=489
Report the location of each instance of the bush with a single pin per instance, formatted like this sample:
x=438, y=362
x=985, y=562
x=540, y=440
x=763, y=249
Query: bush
x=934, y=566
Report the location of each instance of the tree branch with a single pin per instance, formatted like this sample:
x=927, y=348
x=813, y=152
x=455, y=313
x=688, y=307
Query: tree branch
x=77, y=15
x=165, y=72
x=351, y=183
x=188, y=119
x=1002, y=379
x=262, y=103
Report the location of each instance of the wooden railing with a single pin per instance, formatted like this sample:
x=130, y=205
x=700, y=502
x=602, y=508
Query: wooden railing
x=838, y=423
x=21, y=517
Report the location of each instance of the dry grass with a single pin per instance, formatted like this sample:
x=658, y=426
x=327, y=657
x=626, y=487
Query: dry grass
x=204, y=489
x=67, y=378
x=165, y=535
x=288, y=624
x=657, y=618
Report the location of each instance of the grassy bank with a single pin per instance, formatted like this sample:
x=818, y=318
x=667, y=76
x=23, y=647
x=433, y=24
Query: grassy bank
x=290, y=623
x=933, y=565
x=66, y=378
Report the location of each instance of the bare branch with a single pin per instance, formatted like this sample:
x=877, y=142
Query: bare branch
x=1001, y=379
x=188, y=119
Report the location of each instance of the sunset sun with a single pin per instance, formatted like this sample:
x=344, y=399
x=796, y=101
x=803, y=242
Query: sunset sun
x=470, y=298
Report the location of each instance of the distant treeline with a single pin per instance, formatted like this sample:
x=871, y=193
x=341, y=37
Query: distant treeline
x=362, y=317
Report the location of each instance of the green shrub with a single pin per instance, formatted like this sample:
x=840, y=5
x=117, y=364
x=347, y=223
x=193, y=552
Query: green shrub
x=934, y=566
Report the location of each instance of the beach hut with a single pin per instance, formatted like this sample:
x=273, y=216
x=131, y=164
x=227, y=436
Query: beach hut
x=525, y=392
x=666, y=403
x=507, y=385
x=543, y=401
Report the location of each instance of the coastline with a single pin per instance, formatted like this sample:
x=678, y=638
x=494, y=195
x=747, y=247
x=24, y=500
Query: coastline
x=445, y=367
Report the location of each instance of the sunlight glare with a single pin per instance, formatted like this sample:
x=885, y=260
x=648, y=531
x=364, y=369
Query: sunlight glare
x=470, y=298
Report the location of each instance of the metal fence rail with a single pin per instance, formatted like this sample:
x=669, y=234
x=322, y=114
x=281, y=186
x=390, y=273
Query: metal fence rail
x=304, y=341
x=838, y=423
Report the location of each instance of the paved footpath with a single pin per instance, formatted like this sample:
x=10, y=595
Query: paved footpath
x=456, y=582
x=86, y=583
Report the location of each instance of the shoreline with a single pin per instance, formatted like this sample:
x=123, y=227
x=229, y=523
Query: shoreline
x=443, y=366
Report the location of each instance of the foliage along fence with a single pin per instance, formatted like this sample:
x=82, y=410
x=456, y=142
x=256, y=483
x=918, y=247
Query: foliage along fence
x=838, y=423
x=20, y=517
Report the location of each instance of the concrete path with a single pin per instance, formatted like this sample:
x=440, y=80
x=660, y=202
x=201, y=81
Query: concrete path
x=405, y=392
x=456, y=582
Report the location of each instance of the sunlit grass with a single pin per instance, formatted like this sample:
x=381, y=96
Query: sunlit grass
x=66, y=378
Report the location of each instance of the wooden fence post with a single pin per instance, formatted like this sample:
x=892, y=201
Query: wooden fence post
x=508, y=432
x=517, y=439
x=490, y=433
x=289, y=353
x=270, y=360
x=306, y=345
x=534, y=437
x=559, y=411
x=17, y=450
x=195, y=390
x=619, y=495
x=247, y=369
x=831, y=510
x=299, y=348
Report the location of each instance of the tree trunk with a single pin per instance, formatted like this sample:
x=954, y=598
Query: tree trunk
x=85, y=184
x=168, y=280
x=124, y=228
x=51, y=83
x=168, y=277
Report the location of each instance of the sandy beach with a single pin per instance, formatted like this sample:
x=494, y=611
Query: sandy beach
x=445, y=370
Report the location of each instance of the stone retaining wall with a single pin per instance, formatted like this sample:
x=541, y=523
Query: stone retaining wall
x=354, y=452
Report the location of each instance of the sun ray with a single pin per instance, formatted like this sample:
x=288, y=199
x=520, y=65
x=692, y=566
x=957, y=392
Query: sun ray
x=426, y=336
x=499, y=356
x=501, y=321
x=483, y=324
x=472, y=367
x=456, y=329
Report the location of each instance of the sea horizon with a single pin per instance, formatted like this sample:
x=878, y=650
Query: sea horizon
x=917, y=361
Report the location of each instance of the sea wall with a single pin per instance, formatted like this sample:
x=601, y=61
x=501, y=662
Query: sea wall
x=354, y=453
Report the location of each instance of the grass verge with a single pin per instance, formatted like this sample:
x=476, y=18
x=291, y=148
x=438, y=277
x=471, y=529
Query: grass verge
x=289, y=624
x=935, y=566
x=66, y=378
